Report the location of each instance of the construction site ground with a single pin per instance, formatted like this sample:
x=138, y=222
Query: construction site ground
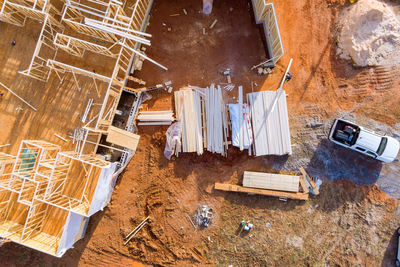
x=351, y=223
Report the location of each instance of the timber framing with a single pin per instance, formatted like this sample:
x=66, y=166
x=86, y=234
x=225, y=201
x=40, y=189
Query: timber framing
x=110, y=29
x=40, y=187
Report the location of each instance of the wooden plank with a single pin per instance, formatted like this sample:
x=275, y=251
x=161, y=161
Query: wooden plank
x=241, y=126
x=122, y=138
x=241, y=189
x=310, y=181
x=272, y=181
x=303, y=184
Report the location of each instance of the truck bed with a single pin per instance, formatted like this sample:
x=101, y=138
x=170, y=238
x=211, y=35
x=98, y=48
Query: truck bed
x=338, y=131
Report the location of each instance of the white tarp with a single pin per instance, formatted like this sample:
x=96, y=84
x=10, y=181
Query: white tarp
x=104, y=189
x=234, y=114
x=74, y=229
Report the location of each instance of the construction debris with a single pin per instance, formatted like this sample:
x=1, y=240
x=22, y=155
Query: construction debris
x=135, y=231
x=312, y=186
x=136, y=80
x=216, y=121
x=204, y=216
x=213, y=24
x=168, y=86
x=227, y=74
x=229, y=87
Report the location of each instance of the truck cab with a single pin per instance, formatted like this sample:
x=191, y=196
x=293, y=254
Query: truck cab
x=355, y=137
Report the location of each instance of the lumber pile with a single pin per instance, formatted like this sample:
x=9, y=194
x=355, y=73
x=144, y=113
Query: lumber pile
x=188, y=112
x=270, y=123
x=216, y=121
x=272, y=181
x=165, y=117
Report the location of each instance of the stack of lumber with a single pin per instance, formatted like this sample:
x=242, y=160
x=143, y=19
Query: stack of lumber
x=272, y=181
x=276, y=185
x=270, y=123
x=216, y=121
x=188, y=112
x=156, y=117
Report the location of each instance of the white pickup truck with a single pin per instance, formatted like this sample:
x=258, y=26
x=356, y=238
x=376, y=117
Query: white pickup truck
x=350, y=135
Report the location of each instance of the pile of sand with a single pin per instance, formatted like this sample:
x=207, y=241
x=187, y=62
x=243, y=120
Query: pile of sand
x=369, y=34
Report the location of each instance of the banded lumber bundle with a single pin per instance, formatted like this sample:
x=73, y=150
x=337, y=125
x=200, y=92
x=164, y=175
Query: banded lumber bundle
x=188, y=112
x=216, y=121
x=270, y=123
x=156, y=117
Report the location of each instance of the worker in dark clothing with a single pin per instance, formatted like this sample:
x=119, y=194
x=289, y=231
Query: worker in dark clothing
x=288, y=76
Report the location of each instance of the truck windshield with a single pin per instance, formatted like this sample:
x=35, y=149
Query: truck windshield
x=382, y=146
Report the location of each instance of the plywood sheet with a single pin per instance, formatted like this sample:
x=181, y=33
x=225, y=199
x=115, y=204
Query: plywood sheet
x=272, y=181
x=122, y=138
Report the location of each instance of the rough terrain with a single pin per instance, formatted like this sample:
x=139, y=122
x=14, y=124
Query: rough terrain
x=352, y=222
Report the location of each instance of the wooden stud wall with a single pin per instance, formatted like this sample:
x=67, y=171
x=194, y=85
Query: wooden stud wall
x=43, y=187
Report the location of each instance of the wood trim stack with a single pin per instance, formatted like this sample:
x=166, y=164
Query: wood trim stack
x=216, y=121
x=188, y=111
x=165, y=117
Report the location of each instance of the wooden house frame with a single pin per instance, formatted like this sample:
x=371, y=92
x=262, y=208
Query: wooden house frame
x=45, y=194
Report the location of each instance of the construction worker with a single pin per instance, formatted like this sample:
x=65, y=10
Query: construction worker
x=288, y=76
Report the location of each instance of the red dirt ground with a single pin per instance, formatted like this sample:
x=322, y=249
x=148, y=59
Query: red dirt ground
x=345, y=225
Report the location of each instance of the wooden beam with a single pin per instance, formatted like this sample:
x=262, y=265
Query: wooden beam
x=310, y=181
x=303, y=184
x=241, y=189
x=20, y=98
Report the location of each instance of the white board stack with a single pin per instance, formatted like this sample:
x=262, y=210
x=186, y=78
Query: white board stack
x=188, y=112
x=216, y=121
x=271, y=181
x=270, y=123
x=165, y=117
